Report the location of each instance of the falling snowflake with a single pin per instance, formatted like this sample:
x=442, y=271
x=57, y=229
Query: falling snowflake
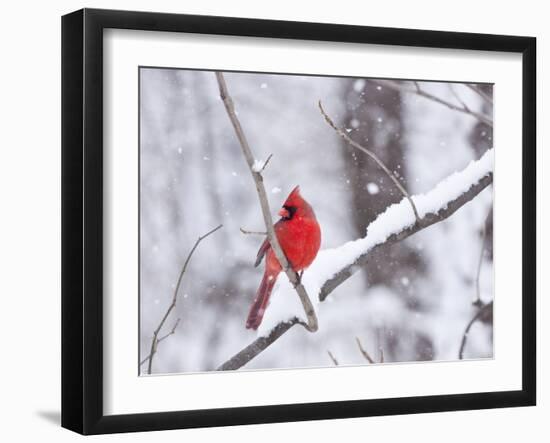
x=358, y=85
x=276, y=190
x=373, y=188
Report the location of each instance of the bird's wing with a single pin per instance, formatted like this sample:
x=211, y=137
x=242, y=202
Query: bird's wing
x=261, y=252
x=265, y=245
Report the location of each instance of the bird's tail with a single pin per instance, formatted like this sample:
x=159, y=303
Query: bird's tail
x=261, y=301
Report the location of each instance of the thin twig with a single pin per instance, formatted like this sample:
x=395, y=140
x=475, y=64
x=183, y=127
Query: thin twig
x=397, y=86
x=482, y=94
x=260, y=344
x=372, y=155
x=155, y=340
x=312, y=324
x=247, y=232
x=458, y=99
x=332, y=357
x=477, y=300
x=172, y=332
x=265, y=164
x=476, y=317
x=364, y=351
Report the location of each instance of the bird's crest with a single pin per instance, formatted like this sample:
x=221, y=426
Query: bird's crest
x=294, y=197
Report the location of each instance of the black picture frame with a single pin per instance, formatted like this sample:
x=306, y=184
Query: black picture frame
x=82, y=220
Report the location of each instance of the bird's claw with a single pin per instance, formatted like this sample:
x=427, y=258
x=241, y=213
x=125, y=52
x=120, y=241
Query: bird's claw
x=299, y=278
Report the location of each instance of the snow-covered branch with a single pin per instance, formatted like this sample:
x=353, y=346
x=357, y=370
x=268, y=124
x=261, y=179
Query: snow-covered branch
x=334, y=266
x=397, y=223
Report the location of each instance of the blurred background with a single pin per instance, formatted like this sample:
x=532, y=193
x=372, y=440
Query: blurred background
x=413, y=300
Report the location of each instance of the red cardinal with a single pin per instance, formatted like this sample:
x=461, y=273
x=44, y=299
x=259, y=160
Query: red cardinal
x=299, y=235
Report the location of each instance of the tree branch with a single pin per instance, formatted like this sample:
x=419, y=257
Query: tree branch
x=482, y=94
x=257, y=346
x=363, y=351
x=455, y=94
x=445, y=210
x=172, y=332
x=312, y=324
x=332, y=357
x=372, y=155
x=155, y=340
x=477, y=299
x=426, y=221
x=247, y=232
x=397, y=86
x=485, y=309
x=265, y=163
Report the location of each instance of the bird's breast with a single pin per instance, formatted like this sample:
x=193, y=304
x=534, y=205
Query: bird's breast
x=300, y=240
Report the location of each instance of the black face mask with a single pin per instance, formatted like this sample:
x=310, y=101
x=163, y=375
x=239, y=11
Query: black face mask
x=291, y=211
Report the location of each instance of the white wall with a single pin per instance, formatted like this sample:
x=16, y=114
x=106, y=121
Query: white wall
x=30, y=218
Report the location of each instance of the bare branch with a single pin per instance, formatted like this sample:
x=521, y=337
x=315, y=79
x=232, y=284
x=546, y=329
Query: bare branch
x=332, y=357
x=401, y=87
x=265, y=164
x=477, y=300
x=364, y=351
x=312, y=324
x=155, y=340
x=172, y=332
x=257, y=346
x=482, y=94
x=247, y=232
x=455, y=94
x=484, y=310
x=372, y=155
x=261, y=343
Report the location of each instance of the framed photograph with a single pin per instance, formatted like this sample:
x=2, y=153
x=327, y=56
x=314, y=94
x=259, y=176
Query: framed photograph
x=270, y=221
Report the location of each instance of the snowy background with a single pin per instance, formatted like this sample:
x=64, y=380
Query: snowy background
x=413, y=300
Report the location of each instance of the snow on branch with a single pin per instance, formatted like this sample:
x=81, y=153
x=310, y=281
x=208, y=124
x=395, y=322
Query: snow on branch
x=334, y=266
x=397, y=223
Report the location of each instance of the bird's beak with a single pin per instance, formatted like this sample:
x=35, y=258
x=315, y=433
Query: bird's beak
x=284, y=213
